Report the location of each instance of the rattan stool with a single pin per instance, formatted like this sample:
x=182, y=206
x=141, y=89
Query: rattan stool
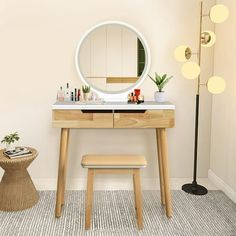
x=17, y=191
x=114, y=164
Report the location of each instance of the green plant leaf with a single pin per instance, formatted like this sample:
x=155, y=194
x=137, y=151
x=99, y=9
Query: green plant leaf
x=11, y=138
x=153, y=79
x=164, y=76
x=160, y=81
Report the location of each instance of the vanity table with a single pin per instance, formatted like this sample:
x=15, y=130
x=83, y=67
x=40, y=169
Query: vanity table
x=112, y=58
x=114, y=115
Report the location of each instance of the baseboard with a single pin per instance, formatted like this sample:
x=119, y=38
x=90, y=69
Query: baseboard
x=115, y=183
x=218, y=182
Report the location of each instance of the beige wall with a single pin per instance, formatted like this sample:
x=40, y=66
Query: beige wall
x=38, y=41
x=223, y=144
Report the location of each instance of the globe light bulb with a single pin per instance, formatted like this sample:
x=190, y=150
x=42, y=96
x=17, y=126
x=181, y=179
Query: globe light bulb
x=208, y=38
x=183, y=53
x=219, y=13
x=190, y=70
x=216, y=85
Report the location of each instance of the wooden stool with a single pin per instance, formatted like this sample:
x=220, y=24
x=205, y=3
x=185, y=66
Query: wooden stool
x=17, y=191
x=114, y=164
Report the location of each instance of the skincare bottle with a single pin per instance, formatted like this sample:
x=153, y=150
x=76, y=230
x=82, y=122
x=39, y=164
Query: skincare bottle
x=60, y=95
x=76, y=95
x=137, y=92
x=67, y=93
x=128, y=98
x=72, y=96
x=132, y=97
x=141, y=98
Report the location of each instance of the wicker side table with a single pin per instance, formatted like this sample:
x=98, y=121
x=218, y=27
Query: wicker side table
x=17, y=191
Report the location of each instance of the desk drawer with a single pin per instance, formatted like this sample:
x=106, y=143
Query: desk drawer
x=148, y=119
x=78, y=119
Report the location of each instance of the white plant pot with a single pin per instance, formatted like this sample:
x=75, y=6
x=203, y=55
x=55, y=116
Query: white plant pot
x=10, y=147
x=86, y=97
x=160, y=96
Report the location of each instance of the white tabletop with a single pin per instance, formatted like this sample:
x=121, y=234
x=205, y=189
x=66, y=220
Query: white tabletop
x=149, y=105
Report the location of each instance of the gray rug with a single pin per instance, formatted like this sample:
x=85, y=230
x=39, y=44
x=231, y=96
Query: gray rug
x=114, y=214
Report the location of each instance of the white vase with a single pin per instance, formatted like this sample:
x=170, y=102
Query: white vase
x=10, y=147
x=160, y=96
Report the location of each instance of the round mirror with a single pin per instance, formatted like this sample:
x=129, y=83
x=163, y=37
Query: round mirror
x=113, y=58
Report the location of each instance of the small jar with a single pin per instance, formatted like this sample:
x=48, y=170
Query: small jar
x=141, y=98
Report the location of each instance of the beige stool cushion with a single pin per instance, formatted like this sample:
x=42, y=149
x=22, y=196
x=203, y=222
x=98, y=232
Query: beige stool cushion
x=113, y=161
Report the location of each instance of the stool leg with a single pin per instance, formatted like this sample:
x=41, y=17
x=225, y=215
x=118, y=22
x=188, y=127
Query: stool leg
x=138, y=197
x=89, y=199
x=160, y=164
x=135, y=204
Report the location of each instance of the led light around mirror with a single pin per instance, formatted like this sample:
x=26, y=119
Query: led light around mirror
x=190, y=70
x=113, y=58
x=216, y=85
x=219, y=13
x=208, y=38
x=183, y=53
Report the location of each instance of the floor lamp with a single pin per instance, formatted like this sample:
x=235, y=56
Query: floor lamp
x=191, y=70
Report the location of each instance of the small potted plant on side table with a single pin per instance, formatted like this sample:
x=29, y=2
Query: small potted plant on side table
x=9, y=140
x=86, y=91
x=160, y=81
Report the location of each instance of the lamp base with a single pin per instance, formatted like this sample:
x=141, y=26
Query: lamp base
x=194, y=189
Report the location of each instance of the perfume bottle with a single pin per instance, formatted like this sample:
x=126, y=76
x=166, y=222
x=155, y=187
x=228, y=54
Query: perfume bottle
x=75, y=97
x=60, y=95
x=72, y=96
x=78, y=95
x=129, y=97
x=134, y=98
x=67, y=93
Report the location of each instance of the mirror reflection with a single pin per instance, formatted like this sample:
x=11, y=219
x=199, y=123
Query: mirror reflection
x=112, y=58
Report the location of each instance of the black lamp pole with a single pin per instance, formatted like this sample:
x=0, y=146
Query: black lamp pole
x=194, y=187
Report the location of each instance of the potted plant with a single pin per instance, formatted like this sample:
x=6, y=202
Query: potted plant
x=86, y=91
x=9, y=140
x=160, y=81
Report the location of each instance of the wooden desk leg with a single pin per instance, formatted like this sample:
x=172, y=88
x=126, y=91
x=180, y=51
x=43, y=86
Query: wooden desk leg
x=64, y=170
x=164, y=155
x=61, y=170
x=160, y=164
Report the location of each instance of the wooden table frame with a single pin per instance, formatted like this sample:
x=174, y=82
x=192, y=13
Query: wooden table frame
x=165, y=120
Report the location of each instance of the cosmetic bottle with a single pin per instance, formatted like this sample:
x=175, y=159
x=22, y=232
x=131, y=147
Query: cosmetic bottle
x=60, y=95
x=137, y=92
x=67, y=93
x=75, y=98
x=72, y=96
x=92, y=97
x=141, y=98
x=132, y=97
x=78, y=95
x=128, y=98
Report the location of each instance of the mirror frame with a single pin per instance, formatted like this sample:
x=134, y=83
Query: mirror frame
x=122, y=94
